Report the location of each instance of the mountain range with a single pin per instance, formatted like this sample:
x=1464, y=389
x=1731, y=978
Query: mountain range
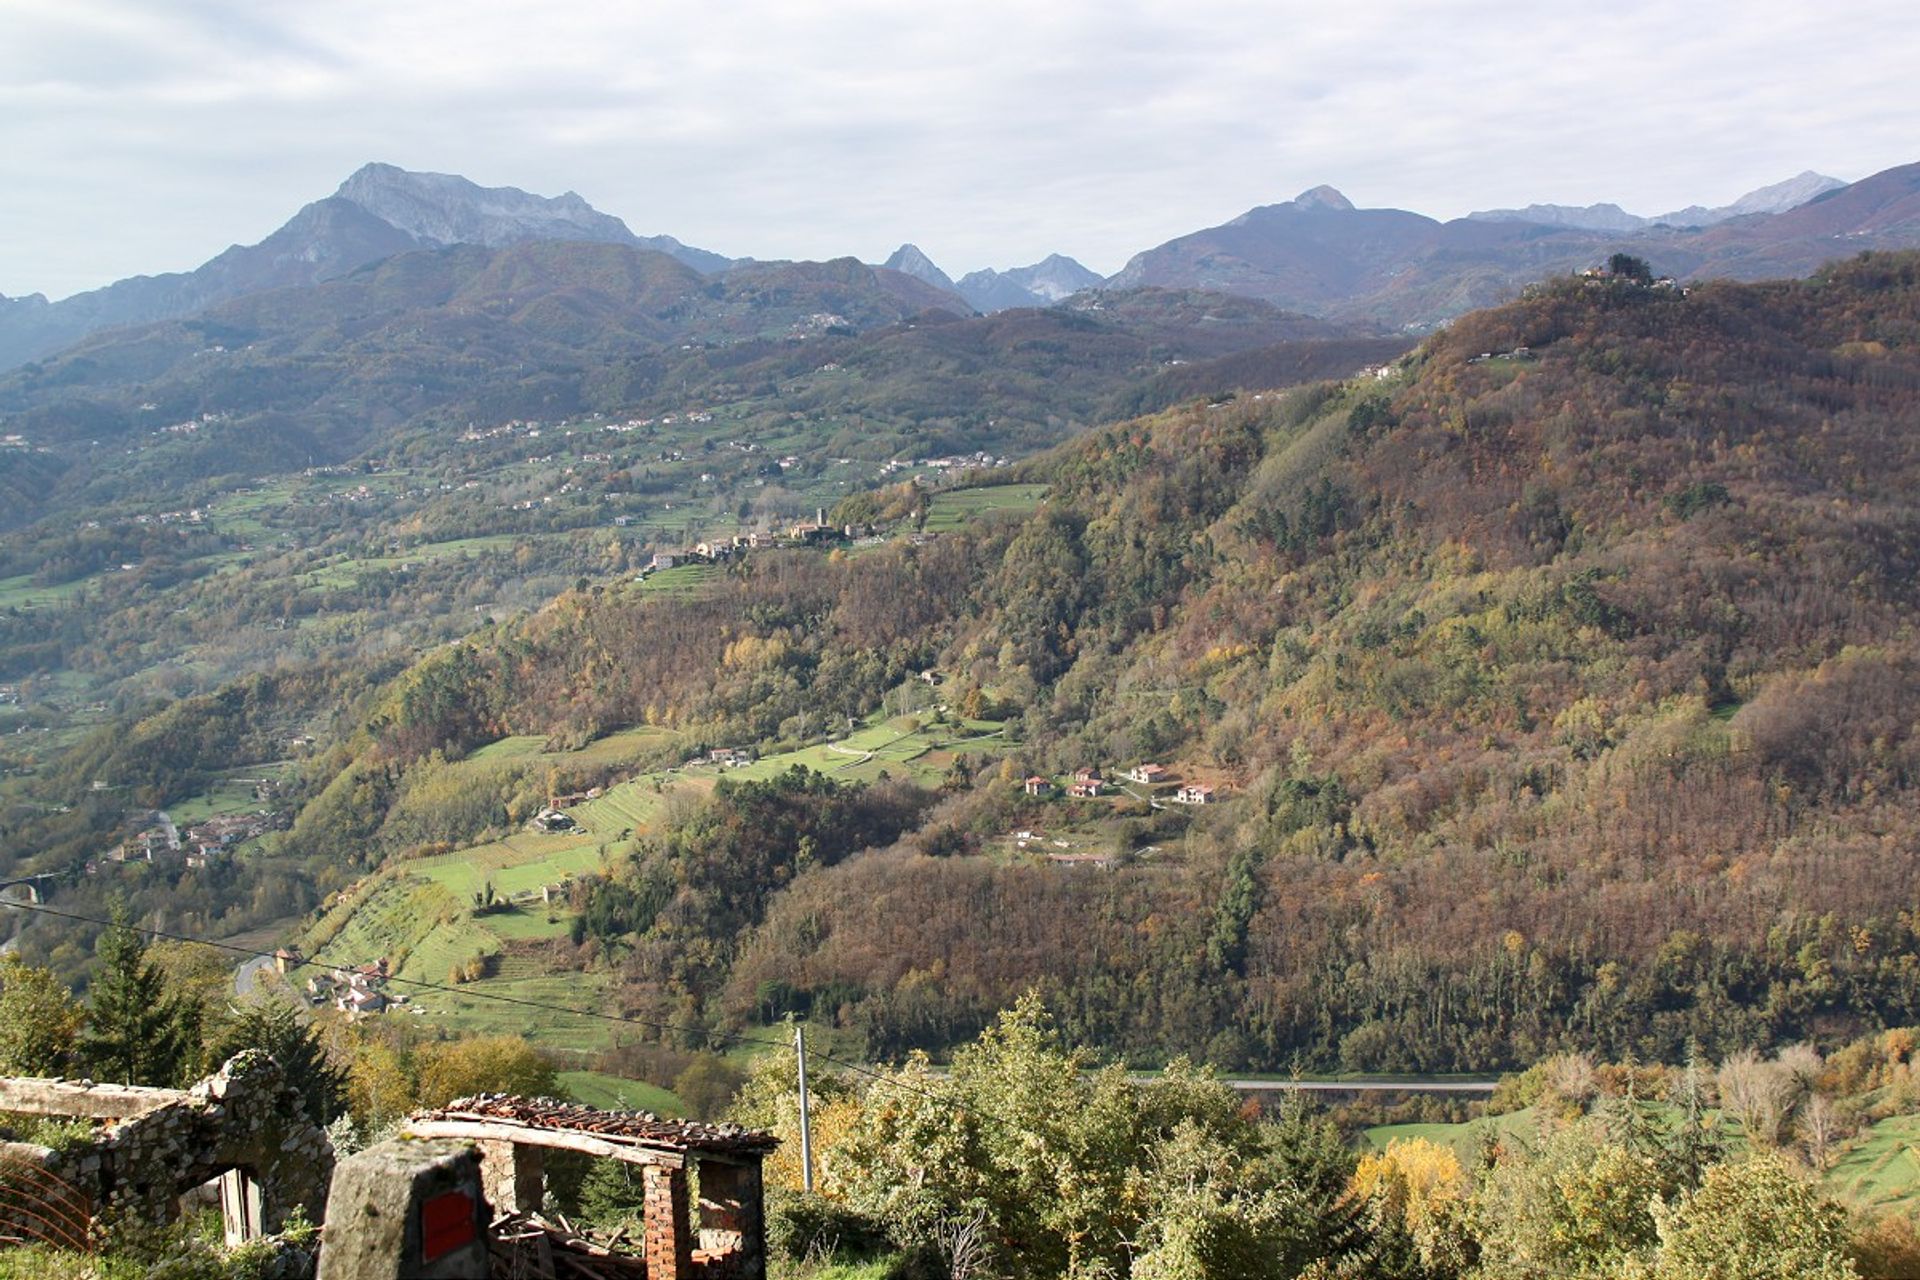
x=379, y=211
x=1777, y=198
x=1317, y=254
x=1052, y=279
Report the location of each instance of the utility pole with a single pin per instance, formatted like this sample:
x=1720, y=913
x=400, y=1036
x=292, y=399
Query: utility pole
x=806, y=1134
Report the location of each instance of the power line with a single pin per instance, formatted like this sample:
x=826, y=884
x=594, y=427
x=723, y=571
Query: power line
x=521, y=1002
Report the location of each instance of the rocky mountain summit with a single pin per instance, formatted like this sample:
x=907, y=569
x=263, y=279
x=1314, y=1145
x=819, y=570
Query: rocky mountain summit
x=377, y=212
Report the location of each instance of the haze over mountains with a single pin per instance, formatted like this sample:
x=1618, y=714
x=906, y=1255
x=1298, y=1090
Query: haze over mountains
x=1317, y=254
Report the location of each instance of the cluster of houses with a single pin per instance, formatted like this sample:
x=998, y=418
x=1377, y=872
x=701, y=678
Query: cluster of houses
x=552, y=822
x=198, y=846
x=1087, y=784
x=721, y=550
x=980, y=461
x=361, y=990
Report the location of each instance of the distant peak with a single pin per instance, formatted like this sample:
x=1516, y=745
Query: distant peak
x=1322, y=197
x=908, y=252
x=909, y=260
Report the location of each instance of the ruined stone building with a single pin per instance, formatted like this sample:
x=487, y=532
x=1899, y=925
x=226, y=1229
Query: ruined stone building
x=241, y=1127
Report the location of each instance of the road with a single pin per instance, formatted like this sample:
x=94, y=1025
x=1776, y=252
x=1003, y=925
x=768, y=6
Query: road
x=248, y=975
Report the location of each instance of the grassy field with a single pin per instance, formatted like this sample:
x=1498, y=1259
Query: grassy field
x=517, y=864
x=526, y=744
x=566, y=1016
x=1879, y=1168
x=1463, y=1138
x=20, y=593
x=682, y=579
x=615, y=1093
x=954, y=507
x=230, y=794
x=901, y=746
x=347, y=570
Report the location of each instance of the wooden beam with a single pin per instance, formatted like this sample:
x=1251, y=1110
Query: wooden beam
x=557, y=1139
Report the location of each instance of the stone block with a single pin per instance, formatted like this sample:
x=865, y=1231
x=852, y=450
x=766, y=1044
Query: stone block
x=409, y=1209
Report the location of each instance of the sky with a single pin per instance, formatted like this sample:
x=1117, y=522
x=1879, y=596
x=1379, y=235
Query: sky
x=139, y=136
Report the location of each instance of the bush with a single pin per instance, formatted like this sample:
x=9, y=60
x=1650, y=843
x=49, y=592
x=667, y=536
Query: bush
x=802, y=1225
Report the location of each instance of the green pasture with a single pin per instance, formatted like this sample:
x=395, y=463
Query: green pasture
x=1463, y=1138
x=230, y=794
x=21, y=593
x=684, y=579
x=526, y=744
x=521, y=862
x=954, y=507
x=347, y=570
x=569, y=1013
x=617, y=1093
x=1879, y=1168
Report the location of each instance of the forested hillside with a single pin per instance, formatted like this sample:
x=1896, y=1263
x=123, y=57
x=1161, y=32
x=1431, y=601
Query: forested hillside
x=1558, y=687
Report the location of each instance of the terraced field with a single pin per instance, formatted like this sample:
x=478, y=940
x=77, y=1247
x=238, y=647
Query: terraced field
x=520, y=863
x=420, y=914
x=628, y=807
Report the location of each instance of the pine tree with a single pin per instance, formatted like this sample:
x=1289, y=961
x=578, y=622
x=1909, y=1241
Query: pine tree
x=138, y=1032
x=275, y=1028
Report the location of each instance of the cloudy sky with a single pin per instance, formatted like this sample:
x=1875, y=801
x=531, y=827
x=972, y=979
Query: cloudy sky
x=147, y=135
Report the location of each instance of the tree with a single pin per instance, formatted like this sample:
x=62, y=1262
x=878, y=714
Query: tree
x=708, y=1085
x=612, y=1195
x=1421, y=1185
x=39, y=1020
x=1628, y=267
x=275, y=1028
x=138, y=1031
x=485, y=1064
x=202, y=979
x=1579, y=1205
x=1754, y=1220
x=379, y=1088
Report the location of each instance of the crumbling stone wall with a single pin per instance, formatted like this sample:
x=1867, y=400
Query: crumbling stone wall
x=244, y=1121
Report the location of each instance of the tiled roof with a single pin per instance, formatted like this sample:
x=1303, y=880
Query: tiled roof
x=641, y=1128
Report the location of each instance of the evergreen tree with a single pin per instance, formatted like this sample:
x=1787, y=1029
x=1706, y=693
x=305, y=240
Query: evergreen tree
x=138, y=1032
x=275, y=1028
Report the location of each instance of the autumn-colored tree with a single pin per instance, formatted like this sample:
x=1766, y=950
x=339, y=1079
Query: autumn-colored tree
x=1421, y=1185
x=449, y=1069
x=1753, y=1220
x=39, y=1021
